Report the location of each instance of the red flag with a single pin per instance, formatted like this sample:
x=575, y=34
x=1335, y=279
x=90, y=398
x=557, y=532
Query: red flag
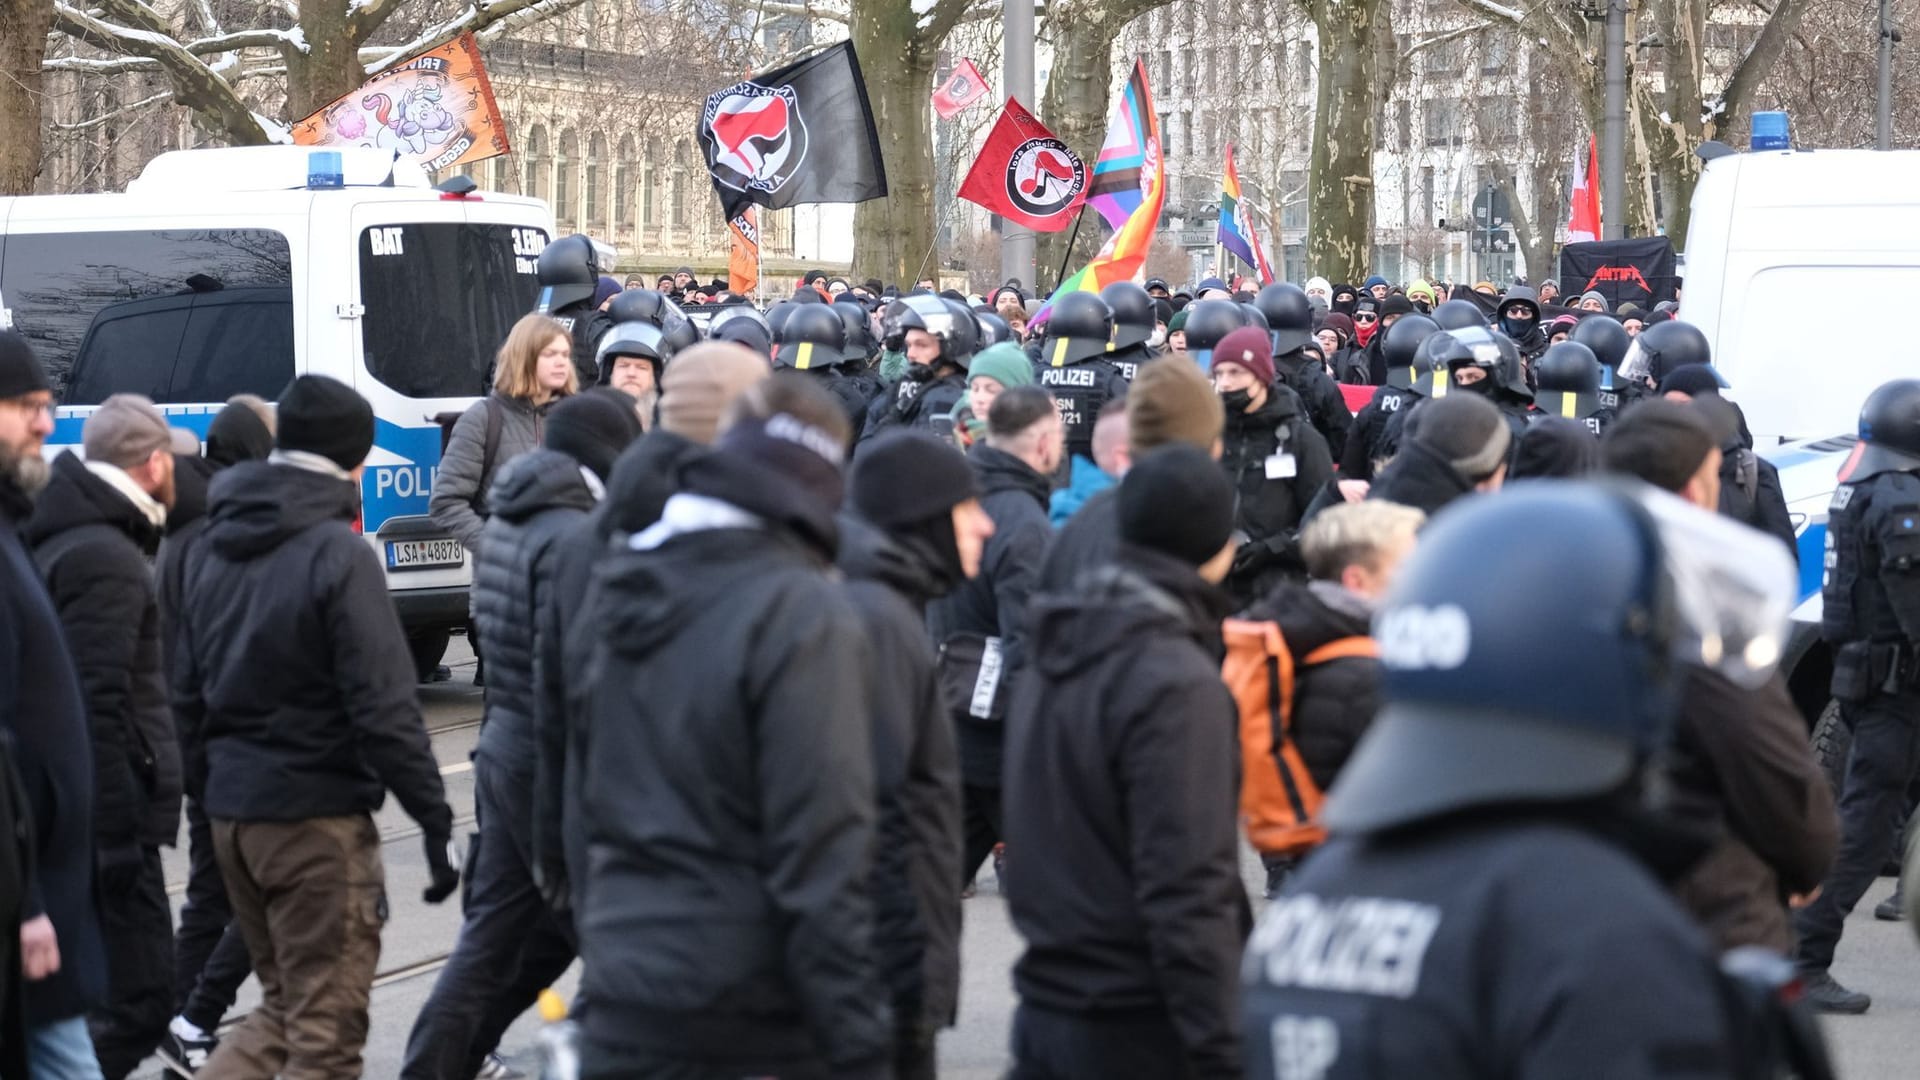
x=1026, y=175
x=1583, y=226
x=962, y=88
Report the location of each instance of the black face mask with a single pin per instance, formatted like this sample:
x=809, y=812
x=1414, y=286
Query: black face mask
x=1236, y=400
x=1484, y=387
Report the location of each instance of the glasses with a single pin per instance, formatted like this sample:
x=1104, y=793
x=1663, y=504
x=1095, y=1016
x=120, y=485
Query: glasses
x=30, y=406
x=1366, y=317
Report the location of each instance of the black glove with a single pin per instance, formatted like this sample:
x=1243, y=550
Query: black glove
x=440, y=866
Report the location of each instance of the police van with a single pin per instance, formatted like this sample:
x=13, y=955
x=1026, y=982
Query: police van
x=228, y=271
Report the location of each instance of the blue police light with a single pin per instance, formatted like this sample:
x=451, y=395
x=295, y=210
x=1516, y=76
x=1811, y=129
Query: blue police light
x=1770, y=131
x=324, y=169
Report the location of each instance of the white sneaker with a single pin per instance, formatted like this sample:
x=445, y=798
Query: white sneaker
x=495, y=1069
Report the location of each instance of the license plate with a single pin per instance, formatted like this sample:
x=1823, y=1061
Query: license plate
x=423, y=554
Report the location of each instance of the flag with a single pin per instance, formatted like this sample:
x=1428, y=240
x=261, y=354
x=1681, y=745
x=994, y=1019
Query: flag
x=962, y=88
x=743, y=260
x=1126, y=250
x=435, y=109
x=1119, y=174
x=802, y=133
x=1260, y=258
x=1026, y=175
x=1642, y=270
x=1583, y=226
x=1229, y=234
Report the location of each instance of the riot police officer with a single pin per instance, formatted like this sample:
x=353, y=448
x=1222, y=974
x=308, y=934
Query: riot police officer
x=1289, y=319
x=1488, y=902
x=813, y=340
x=1458, y=315
x=1073, y=366
x=1208, y=322
x=569, y=272
x=1609, y=341
x=1871, y=618
x=1367, y=446
x=1134, y=323
x=938, y=337
x=1485, y=362
x=1663, y=347
x=1567, y=384
x=856, y=358
x=742, y=325
x=632, y=359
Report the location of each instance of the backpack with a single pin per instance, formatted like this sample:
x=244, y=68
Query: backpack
x=1279, y=802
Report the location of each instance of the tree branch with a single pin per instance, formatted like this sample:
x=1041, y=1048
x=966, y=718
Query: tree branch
x=489, y=21
x=164, y=95
x=1782, y=24
x=195, y=85
x=1442, y=39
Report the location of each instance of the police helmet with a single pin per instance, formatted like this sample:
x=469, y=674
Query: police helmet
x=1478, y=346
x=632, y=338
x=742, y=325
x=812, y=337
x=952, y=323
x=1567, y=381
x=1402, y=347
x=777, y=315
x=1605, y=336
x=966, y=334
x=643, y=305
x=1133, y=313
x=1889, y=432
x=1288, y=314
x=681, y=334
x=1255, y=317
x=568, y=272
x=1458, y=315
x=1207, y=322
x=1078, y=328
x=860, y=345
x=993, y=328
x=1660, y=348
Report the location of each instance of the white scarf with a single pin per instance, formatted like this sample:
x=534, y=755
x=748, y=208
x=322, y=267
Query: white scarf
x=117, y=478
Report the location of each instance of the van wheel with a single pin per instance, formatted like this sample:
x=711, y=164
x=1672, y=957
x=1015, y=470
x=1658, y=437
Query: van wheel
x=1832, y=740
x=427, y=646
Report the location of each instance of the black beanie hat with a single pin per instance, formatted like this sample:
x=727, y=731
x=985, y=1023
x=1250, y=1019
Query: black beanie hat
x=20, y=370
x=1176, y=500
x=237, y=434
x=592, y=428
x=324, y=416
x=903, y=478
x=1396, y=304
x=1692, y=380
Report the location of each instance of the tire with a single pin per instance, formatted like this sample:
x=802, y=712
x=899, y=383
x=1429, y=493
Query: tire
x=427, y=646
x=1832, y=741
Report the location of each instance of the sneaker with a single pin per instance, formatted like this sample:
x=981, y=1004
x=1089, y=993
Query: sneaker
x=496, y=1069
x=1826, y=995
x=1889, y=910
x=186, y=1048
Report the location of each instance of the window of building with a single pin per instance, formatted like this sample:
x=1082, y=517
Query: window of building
x=566, y=179
x=596, y=179
x=623, y=184
x=677, y=204
x=650, y=165
x=535, y=183
x=1443, y=126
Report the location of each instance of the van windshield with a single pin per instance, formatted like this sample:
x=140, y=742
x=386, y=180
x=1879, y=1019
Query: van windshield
x=440, y=298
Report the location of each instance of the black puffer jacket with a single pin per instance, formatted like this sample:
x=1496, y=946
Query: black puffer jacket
x=1271, y=507
x=536, y=499
x=92, y=544
x=994, y=603
x=926, y=406
x=1333, y=702
x=292, y=679
x=1122, y=808
x=728, y=800
x=1326, y=406
x=916, y=775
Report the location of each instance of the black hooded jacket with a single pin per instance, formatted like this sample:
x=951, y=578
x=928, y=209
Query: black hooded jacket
x=1334, y=701
x=1326, y=406
x=1271, y=506
x=292, y=680
x=1367, y=439
x=1420, y=478
x=92, y=544
x=536, y=500
x=916, y=776
x=1121, y=800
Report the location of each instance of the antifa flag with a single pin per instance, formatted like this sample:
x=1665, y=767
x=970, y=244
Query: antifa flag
x=1637, y=271
x=802, y=133
x=964, y=87
x=435, y=109
x=1026, y=175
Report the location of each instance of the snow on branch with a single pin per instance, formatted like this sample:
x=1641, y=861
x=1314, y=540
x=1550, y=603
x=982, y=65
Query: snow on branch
x=480, y=19
x=96, y=121
x=195, y=84
x=1441, y=39
x=286, y=40
x=1498, y=11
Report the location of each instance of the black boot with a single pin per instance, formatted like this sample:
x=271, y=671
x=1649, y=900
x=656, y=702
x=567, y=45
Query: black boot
x=1829, y=996
x=1892, y=909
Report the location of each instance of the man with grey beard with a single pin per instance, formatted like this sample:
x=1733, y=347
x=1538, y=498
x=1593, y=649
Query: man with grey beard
x=43, y=712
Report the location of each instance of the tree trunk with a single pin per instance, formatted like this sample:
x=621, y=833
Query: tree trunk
x=1079, y=90
x=330, y=68
x=1340, y=172
x=892, y=236
x=23, y=45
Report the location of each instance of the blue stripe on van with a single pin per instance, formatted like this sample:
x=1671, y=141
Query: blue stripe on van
x=1813, y=556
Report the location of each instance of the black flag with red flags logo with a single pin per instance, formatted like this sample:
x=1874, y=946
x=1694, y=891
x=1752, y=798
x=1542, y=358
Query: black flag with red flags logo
x=801, y=133
x=1640, y=270
x=1026, y=175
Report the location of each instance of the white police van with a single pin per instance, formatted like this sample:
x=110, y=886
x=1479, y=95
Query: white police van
x=227, y=271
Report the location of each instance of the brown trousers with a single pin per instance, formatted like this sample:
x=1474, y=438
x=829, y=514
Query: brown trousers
x=309, y=898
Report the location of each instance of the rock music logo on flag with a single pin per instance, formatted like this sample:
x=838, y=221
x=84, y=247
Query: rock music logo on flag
x=959, y=87
x=1044, y=177
x=759, y=138
x=1618, y=273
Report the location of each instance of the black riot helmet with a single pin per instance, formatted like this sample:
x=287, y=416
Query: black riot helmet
x=1478, y=346
x=1133, y=315
x=950, y=321
x=860, y=345
x=811, y=337
x=682, y=334
x=1207, y=322
x=1079, y=328
x=633, y=338
x=1289, y=316
x=1402, y=347
x=742, y=325
x=1605, y=336
x=1567, y=381
x=993, y=328
x=644, y=305
x=569, y=271
x=1459, y=315
x=1255, y=317
x=1889, y=433
x=1660, y=348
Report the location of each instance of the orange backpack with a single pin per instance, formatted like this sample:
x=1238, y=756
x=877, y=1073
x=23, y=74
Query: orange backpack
x=1279, y=802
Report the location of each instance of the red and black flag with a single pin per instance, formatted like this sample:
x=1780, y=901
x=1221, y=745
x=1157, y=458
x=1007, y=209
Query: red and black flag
x=801, y=133
x=1026, y=175
x=1641, y=270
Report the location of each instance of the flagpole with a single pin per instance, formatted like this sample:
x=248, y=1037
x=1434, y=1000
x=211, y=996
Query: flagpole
x=759, y=262
x=1068, y=258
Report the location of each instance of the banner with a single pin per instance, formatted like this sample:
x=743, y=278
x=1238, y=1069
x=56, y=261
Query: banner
x=1640, y=270
x=743, y=260
x=962, y=88
x=801, y=133
x=436, y=110
x=1583, y=221
x=1119, y=174
x=1026, y=175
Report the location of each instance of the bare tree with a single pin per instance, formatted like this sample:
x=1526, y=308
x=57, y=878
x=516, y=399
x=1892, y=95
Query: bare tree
x=23, y=43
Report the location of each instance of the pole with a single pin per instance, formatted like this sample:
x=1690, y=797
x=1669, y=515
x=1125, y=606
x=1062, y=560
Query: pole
x=1613, y=133
x=1883, y=111
x=1061, y=277
x=1016, y=18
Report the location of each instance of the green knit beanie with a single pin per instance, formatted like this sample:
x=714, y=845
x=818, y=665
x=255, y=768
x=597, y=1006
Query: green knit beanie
x=1005, y=363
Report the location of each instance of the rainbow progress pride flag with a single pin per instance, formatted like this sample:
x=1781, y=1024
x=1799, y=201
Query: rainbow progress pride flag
x=1230, y=235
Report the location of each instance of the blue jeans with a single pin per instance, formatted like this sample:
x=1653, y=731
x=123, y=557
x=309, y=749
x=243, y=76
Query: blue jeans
x=62, y=1050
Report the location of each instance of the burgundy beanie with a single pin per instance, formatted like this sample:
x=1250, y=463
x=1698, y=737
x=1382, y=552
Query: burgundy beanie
x=1250, y=348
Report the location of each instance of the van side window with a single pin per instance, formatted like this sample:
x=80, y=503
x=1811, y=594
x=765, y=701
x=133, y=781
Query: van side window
x=440, y=298
x=181, y=315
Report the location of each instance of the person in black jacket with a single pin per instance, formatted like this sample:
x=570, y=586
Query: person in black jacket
x=939, y=338
x=511, y=945
x=1122, y=774
x=1275, y=458
x=1749, y=484
x=916, y=530
x=981, y=628
x=44, y=714
x=721, y=716
x=1455, y=446
x=93, y=530
x=294, y=690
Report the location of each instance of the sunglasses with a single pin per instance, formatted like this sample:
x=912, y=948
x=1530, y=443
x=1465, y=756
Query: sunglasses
x=1366, y=317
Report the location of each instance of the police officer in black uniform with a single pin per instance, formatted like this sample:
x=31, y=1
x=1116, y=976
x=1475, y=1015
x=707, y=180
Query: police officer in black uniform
x=1367, y=445
x=1501, y=379
x=1208, y=322
x=569, y=272
x=813, y=340
x=1609, y=341
x=1489, y=901
x=1567, y=384
x=1289, y=318
x=1134, y=322
x=1073, y=366
x=742, y=325
x=939, y=337
x=858, y=355
x=1871, y=617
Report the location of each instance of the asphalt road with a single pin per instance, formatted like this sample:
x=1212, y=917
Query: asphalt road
x=1882, y=959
